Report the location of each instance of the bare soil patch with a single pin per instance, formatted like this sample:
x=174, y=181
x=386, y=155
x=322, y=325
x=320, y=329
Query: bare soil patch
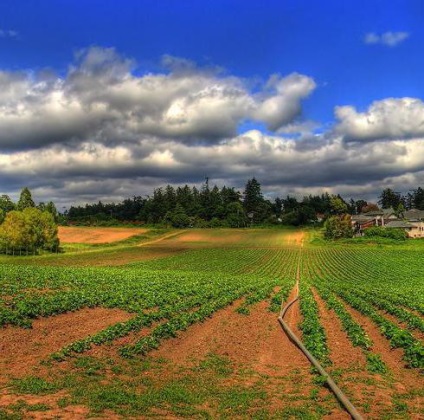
x=295, y=238
x=210, y=237
x=96, y=235
x=72, y=412
x=21, y=350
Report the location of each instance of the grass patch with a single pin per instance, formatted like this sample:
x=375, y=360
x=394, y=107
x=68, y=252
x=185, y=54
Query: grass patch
x=5, y=415
x=303, y=413
x=21, y=405
x=238, y=399
x=216, y=364
x=34, y=385
x=89, y=365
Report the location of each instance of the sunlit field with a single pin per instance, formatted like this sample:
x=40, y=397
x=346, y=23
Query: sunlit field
x=183, y=323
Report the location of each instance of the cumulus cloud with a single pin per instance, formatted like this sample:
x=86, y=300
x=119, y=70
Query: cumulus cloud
x=96, y=171
x=104, y=132
x=391, y=118
x=100, y=98
x=390, y=39
x=283, y=104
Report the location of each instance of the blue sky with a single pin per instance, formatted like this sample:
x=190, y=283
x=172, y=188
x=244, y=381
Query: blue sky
x=346, y=53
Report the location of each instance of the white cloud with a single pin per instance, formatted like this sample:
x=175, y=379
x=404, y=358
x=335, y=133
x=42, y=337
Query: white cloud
x=8, y=33
x=390, y=39
x=100, y=98
x=103, y=132
x=391, y=118
x=283, y=104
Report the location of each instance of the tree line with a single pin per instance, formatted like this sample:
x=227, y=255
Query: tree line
x=227, y=207
x=27, y=228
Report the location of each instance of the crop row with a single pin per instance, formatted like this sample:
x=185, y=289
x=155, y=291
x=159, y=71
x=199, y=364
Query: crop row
x=351, y=275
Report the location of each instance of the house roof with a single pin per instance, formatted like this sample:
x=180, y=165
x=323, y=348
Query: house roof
x=374, y=213
x=384, y=212
x=399, y=224
x=361, y=218
x=414, y=214
x=388, y=212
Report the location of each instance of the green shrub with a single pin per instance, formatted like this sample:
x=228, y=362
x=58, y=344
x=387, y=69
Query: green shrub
x=381, y=232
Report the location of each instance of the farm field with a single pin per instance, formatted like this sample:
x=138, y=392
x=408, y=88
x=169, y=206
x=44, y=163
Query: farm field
x=183, y=324
x=89, y=235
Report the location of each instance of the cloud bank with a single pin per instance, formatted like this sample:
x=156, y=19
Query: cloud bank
x=389, y=39
x=104, y=132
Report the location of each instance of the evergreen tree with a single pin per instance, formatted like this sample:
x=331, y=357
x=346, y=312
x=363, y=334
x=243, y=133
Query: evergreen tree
x=252, y=195
x=185, y=199
x=235, y=215
x=170, y=198
x=418, y=198
x=290, y=204
x=255, y=206
x=389, y=199
x=216, y=209
x=205, y=198
x=25, y=200
x=179, y=218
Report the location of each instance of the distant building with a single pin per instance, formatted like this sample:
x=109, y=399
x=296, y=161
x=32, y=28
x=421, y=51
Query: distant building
x=412, y=221
x=416, y=218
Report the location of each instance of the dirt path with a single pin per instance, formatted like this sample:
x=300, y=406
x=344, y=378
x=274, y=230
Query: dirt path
x=296, y=238
x=162, y=238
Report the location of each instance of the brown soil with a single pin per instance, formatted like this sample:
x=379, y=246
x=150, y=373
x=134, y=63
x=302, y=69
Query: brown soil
x=96, y=235
x=74, y=412
x=21, y=350
x=342, y=353
x=209, y=237
x=403, y=380
x=256, y=343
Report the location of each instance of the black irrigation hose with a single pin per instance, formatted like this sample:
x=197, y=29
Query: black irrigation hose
x=330, y=382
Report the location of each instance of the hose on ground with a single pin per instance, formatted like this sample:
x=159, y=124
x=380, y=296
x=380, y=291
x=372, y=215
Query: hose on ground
x=330, y=382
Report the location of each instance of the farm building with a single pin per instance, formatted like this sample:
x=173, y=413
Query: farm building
x=361, y=222
x=400, y=224
x=372, y=218
x=412, y=221
x=416, y=218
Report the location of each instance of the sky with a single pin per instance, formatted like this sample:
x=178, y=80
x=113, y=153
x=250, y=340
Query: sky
x=103, y=100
